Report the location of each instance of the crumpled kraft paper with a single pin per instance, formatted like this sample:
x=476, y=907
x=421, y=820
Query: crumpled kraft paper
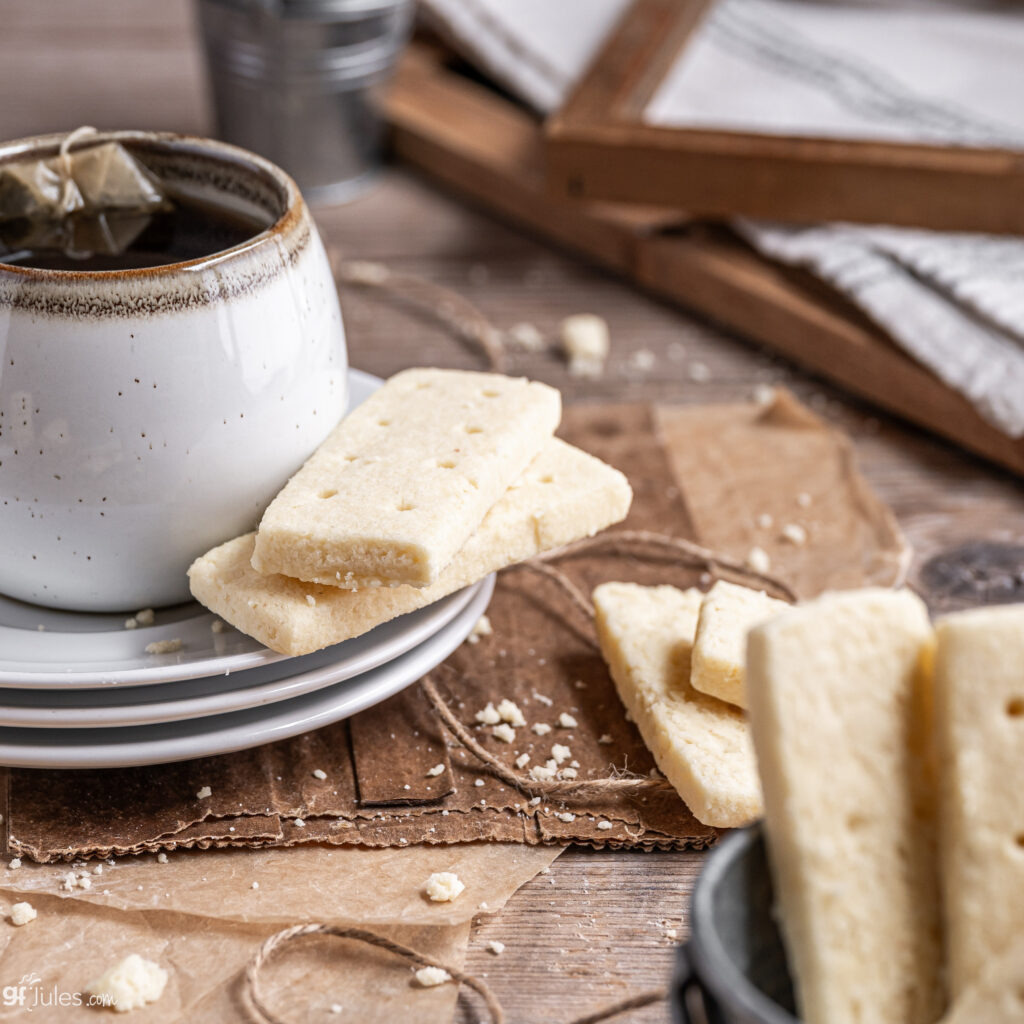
x=199, y=917
x=732, y=477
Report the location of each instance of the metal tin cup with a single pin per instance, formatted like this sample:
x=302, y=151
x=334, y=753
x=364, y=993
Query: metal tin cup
x=733, y=970
x=299, y=82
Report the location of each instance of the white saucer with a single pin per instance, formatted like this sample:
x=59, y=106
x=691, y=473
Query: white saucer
x=118, y=706
x=221, y=734
x=75, y=650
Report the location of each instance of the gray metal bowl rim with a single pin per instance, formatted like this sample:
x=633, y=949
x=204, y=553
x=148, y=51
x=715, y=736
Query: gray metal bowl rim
x=711, y=964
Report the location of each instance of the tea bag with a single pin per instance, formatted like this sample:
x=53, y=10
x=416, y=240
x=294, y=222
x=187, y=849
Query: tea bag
x=93, y=197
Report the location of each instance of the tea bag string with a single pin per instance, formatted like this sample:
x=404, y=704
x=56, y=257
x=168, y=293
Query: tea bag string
x=262, y=1013
x=70, y=197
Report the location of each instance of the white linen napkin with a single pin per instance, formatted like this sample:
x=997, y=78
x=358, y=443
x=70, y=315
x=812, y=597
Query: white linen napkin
x=918, y=70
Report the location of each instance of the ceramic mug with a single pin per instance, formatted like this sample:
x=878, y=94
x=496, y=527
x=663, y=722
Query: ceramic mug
x=146, y=415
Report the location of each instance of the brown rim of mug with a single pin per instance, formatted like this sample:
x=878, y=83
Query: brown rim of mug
x=166, y=142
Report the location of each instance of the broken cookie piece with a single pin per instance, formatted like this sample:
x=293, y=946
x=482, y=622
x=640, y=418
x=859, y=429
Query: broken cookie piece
x=701, y=744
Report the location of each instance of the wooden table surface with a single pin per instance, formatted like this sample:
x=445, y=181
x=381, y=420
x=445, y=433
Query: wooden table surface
x=593, y=930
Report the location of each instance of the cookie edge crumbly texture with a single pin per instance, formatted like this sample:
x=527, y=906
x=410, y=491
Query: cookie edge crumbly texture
x=801, y=852
x=530, y=518
x=287, y=545
x=710, y=801
x=980, y=798
x=719, y=656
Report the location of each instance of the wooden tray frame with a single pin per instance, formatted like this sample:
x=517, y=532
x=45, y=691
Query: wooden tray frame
x=599, y=148
x=488, y=149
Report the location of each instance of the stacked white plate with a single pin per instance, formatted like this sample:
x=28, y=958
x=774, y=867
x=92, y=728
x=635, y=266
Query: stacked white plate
x=80, y=691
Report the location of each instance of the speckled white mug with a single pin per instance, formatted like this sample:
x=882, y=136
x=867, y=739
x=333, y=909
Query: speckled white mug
x=147, y=415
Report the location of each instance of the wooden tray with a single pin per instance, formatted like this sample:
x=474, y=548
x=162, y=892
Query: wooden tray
x=487, y=148
x=600, y=148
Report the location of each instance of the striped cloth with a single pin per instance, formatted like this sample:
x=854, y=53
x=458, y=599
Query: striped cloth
x=920, y=70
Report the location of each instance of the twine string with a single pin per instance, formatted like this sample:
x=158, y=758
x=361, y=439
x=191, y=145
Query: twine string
x=624, y=543
x=637, y=1002
x=264, y=1015
x=524, y=784
x=451, y=310
x=632, y=542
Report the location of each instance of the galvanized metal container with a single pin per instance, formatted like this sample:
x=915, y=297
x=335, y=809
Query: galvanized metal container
x=299, y=82
x=733, y=970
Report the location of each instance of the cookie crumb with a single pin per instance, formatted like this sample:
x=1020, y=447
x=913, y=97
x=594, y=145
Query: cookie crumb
x=164, y=646
x=795, y=534
x=758, y=560
x=428, y=977
x=527, y=337
x=504, y=732
x=489, y=715
x=482, y=627
x=560, y=753
x=509, y=712
x=443, y=887
x=22, y=913
x=586, y=343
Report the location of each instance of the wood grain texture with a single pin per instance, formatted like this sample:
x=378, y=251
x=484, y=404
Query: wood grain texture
x=492, y=155
x=599, y=147
x=941, y=497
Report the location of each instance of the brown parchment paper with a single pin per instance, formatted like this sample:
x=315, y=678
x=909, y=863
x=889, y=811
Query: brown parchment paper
x=709, y=473
x=741, y=463
x=199, y=917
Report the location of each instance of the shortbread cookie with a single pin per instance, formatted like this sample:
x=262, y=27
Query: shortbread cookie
x=979, y=701
x=701, y=745
x=995, y=997
x=564, y=495
x=404, y=480
x=727, y=613
x=839, y=696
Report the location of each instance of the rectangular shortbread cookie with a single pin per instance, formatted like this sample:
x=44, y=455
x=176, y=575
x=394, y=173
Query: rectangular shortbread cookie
x=839, y=691
x=701, y=745
x=727, y=613
x=404, y=480
x=979, y=703
x=564, y=495
x=996, y=996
